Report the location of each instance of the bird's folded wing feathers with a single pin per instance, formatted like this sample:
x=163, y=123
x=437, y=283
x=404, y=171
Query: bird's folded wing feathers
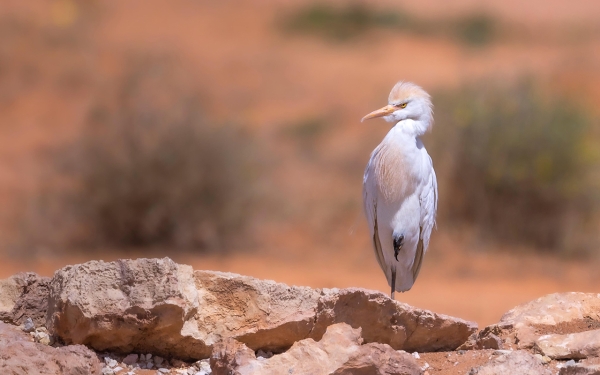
x=370, y=202
x=428, y=202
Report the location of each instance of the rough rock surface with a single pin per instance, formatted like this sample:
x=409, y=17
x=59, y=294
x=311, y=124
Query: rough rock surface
x=516, y=362
x=338, y=352
x=379, y=359
x=262, y=314
x=390, y=322
x=570, y=312
x=571, y=346
x=158, y=306
x=22, y=296
x=19, y=355
x=585, y=367
x=128, y=305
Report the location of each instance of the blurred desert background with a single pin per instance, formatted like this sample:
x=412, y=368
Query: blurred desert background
x=227, y=135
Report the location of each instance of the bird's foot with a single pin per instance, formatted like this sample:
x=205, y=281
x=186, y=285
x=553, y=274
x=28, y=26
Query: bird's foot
x=398, y=242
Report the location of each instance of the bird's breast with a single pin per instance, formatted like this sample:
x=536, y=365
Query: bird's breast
x=396, y=171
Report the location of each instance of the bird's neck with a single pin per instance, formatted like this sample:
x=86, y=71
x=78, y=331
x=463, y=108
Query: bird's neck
x=413, y=128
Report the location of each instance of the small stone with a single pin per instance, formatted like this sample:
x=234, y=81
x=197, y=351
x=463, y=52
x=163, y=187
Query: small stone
x=142, y=357
x=262, y=354
x=148, y=356
x=157, y=360
x=41, y=329
x=112, y=363
x=570, y=363
x=546, y=359
x=149, y=365
x=461, y=352
x=416, y=355
x=205, y=366
x=191, y=371
x=107, y=371
x=28, y=326
x=117, y=369
x=177, y=363
x=43, y=338
x=131, y=359
x=163, y=370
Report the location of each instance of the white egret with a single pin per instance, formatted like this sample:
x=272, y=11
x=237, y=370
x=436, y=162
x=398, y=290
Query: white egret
x=400, y=187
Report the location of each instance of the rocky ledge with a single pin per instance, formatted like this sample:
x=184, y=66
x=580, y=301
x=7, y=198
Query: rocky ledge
x=153, y=316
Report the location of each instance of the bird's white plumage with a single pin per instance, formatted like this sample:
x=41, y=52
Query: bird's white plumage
x=400, y=187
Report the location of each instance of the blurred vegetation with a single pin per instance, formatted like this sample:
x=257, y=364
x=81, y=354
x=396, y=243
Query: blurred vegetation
x=150, y=170
x=354, y=19
x=516, y=163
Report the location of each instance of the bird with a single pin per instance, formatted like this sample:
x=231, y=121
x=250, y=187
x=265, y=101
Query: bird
x=400, y=187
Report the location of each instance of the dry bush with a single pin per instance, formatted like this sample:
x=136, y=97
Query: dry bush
x=516, y=163
x=149, y=169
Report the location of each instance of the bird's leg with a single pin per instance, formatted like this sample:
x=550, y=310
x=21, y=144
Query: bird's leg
x=398, y=242
x=393, y=282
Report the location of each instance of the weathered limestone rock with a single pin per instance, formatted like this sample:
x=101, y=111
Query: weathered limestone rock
x=487, y=338
x=572, y=312
x=571, y=346
x=379, y=359
x=390, y=322
x=128, y=305
x=338, y=352
x=556, y=308
x=19, y=355
x=585, y=367
x=516, y=362
x=22, y=296
x=158, y=306
x=262, y=314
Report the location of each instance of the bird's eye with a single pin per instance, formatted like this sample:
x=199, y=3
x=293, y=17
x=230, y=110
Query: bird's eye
x=403, y=105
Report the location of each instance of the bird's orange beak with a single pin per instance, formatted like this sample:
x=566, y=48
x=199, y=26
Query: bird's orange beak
x=388, y=109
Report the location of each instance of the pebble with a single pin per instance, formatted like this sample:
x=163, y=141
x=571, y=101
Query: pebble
x=260, y=353
x=107, y=371
x=163, y=370
x=130, y=359
x=416, y=355
x=112, y=363
x=28, y=326
x=158, y=360
x=117, y=369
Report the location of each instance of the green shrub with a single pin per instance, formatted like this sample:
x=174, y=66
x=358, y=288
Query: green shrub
x=515, y=163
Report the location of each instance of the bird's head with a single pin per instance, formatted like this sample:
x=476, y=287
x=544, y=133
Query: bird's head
x=406, y=101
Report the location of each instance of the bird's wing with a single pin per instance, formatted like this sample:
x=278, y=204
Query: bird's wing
x=428, y=203
x=370, y=206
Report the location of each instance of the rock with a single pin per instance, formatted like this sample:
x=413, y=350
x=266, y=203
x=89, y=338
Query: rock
x=390, y=322
x=340, y=346
x=556, y=308
x=158, y=306
x=130, y=359
x=517, y=362
x=19, y=355
x=585, y=367
x=485, y=339
x=28, y=325
x=262, y=314
x=22, y=296
x=572, y=346
x=564, y=312
x=125, y=306
x=379, y=359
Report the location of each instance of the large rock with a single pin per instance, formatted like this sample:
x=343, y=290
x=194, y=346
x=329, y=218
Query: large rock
x=128, y=305
x=338, y=352
x=158, y=306
x=390, y=322
x=262, y=314
x=554, y=313
x=22, y=296
x=19, y=355
x=516, y=362
x=572, y=346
